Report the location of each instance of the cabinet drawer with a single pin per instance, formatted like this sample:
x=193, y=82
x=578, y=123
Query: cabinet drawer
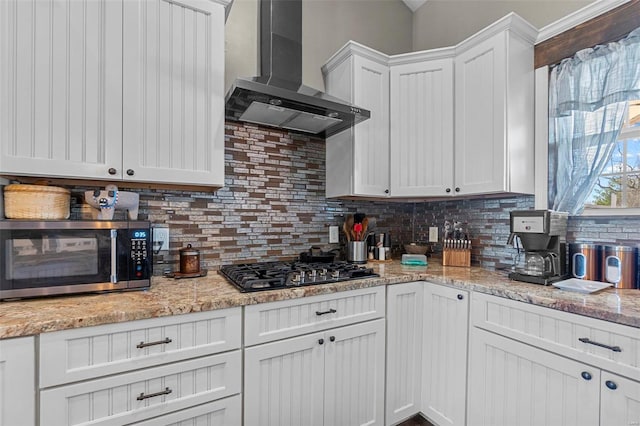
x=561, y=332
x=86, y=353
x=278, y=320
x=225, y=412
x=140, y=395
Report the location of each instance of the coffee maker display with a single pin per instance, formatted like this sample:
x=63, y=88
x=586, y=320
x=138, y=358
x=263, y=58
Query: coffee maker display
x=543, y=237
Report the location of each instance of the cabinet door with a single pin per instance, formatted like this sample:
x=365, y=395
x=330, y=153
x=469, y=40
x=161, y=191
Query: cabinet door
x=444, y=352
x=371, y=141
x=404, y=345
x=354, y=375
x=17, y=382
x=421, y=128
x=173, y=129
x=619, y=400
x=511, y=383
x=283, y=382
x=480, y=75
x=61, y=88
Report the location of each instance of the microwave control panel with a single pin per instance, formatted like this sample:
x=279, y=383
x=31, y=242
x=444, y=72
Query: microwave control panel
x=140, y=261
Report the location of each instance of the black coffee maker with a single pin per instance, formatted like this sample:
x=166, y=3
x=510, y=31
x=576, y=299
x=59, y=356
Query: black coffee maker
x=543, y=235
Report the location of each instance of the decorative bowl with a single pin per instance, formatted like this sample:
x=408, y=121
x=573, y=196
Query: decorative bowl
x=414, y=248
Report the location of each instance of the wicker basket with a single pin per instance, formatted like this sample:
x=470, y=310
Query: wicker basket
x=36, y=202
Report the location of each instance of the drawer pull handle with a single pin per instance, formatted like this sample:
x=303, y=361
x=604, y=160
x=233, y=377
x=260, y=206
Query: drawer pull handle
x=330, y=311
x=586, y=375
x=611, y=385
x=142, y=396
x=602, y=345
x=159, y=342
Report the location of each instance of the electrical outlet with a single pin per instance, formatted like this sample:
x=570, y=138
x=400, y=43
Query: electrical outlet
x=433, y=234
x=334, y=236
x=160, y=239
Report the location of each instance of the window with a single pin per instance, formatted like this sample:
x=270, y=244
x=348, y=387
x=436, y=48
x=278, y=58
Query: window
x=618, y=186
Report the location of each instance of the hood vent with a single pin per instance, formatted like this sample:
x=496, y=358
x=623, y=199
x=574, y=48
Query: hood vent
x=277, y=97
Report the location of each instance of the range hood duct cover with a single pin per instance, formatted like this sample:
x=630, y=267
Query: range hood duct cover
x=277, y=97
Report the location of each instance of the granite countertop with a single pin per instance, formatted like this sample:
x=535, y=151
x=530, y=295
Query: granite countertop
x=167, y=296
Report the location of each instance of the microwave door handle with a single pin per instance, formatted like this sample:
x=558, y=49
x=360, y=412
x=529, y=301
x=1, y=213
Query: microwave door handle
x=114, y=256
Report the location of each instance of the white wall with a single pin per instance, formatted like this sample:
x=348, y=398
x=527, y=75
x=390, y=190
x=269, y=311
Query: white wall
x=385, y=25
x=441, y=23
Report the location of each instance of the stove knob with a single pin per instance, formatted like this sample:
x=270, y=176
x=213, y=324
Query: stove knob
x=323, y=272
x=313, y=274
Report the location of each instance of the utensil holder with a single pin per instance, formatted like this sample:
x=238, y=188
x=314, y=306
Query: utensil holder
x=456, y=257
x=357, y=251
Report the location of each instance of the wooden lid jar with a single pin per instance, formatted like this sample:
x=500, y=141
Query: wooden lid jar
x=189, y=260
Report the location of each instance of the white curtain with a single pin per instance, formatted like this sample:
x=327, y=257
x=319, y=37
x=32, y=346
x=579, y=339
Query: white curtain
x=587, y=99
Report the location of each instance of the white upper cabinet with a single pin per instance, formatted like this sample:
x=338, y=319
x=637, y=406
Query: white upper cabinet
x=173, y=121
x=113, y=90
x=461, y=118
x=494, y=112
x=421, y=124
x=358, y=158
x=61, y=88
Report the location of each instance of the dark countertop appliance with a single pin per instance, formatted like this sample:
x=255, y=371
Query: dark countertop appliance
x=543, y=236
x=278, y=275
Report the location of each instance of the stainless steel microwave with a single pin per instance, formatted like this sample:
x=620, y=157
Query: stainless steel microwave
x=42, y=258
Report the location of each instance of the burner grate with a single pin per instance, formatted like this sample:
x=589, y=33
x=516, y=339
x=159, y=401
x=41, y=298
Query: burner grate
x=273, y=275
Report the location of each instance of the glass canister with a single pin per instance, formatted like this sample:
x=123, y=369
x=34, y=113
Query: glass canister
x=620, y=266
x=189, y=260
x=585, y=261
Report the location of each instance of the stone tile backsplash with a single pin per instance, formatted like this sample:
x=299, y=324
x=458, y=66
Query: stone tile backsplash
x=273, y=207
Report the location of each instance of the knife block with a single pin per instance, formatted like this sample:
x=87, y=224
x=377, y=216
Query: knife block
x=456, y=257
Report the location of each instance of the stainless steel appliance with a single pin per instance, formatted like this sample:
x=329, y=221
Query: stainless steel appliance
x=620, y=266
x=585, y=261
x=543, y=236
x=278, y=275
x=42, y=258
x=277, y=97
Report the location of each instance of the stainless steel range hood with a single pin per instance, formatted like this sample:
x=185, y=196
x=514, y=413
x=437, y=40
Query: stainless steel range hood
x=277, y=97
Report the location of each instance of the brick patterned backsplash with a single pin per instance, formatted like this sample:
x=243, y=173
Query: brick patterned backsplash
x=273, y=207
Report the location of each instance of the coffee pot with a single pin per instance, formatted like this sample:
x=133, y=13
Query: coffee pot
x=543, y=237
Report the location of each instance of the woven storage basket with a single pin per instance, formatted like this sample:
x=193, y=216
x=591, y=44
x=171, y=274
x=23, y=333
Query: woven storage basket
x=36, y=202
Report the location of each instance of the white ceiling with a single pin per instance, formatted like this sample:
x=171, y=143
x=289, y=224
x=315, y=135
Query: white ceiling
x=414, y=4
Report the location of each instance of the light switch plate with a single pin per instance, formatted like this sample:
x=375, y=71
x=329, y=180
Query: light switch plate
x=433, y=234
x=334, y=237
x=160, y=239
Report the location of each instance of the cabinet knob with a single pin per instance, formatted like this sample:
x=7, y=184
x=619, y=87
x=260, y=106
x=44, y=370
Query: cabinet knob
x=130, y=172
x=321, y=341
x=460, y=297
x=448, y=190
x=112, y=171
x=332, y=338
x=586, y=375
x=457, y=189
x=386, y=191
x=611, y=385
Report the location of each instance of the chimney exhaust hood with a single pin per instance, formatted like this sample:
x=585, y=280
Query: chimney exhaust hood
x=277, y=97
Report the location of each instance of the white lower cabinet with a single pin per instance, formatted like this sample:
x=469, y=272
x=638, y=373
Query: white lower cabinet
x=224, y=412
x=619, y=400
x=444, y=354
x=17, y=382
x=153, y=371
x=404, y=346
x=334, y=377
x=530, y=365
x=514, y=384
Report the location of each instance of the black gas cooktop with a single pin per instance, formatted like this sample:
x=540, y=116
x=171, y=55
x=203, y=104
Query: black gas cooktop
x=274, y=275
